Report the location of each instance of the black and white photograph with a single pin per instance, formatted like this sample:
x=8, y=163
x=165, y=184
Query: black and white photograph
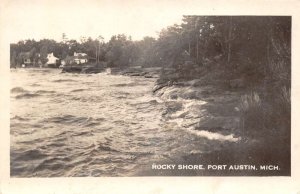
x=204, y=95
x=145, y=97
x=148, y=97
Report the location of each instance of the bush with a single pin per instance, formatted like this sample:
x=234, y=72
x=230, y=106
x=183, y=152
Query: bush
x=264, y=117
x=252, y=113
x=282, y=110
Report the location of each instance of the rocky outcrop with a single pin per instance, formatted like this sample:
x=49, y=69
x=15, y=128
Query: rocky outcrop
x=83, y=68
x=204, y=110
x=138, y=72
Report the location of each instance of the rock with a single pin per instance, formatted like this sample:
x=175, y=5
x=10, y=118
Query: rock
x=173, y=106
x=134, y=74
x=91, y=70
x=72, y=69
x=189, y=95
x=158, y=87
x=173, y=96
x=217, y=122
x=195, y=82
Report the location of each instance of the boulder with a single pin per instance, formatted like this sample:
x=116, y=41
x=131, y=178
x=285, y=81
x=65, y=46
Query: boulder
x=217, y=122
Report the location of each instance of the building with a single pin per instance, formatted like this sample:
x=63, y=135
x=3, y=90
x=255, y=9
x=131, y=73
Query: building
x=80, y=58
x=26, y=59
x=77, y=59
x=52, y=60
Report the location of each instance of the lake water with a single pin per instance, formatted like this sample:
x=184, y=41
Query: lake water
x=91, y=125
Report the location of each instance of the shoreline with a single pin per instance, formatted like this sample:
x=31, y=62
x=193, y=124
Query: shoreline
x=208, y=112
x=217, y=118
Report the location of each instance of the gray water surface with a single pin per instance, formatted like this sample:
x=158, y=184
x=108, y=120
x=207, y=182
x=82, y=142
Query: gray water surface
x=90, y=125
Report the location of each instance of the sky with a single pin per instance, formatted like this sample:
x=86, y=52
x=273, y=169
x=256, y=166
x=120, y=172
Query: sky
x=33, y=19
x=38, y=19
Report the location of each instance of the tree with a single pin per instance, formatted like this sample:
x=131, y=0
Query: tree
x=13, y=59
x=44, y=54
x=118, y=51
x=170, y=45
x=146, y=52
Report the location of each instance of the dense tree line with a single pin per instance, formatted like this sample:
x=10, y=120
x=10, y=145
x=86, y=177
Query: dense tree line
x=239, y=45
x=119, y=51
x=256, y=48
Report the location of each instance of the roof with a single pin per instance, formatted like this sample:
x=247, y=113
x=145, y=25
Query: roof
x=25, y=55
x=81, y=57
x=78, y=57
x=79, y=54
x=51, y=55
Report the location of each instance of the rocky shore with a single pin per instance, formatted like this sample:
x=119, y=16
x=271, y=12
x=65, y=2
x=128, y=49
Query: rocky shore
x=150, y=72
x=212, y=113
x=200, y=108
x=208, y=110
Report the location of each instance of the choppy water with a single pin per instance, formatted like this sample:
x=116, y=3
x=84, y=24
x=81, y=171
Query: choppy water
x=90, y=125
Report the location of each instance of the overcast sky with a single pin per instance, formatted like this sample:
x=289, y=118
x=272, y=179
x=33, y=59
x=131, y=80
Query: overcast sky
x=28, y=19
x=49, y=19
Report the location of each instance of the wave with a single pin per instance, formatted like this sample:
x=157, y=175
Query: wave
x=22, y=93
x=64, y=80
x=32, y=154
x=71, y=119
x=45, y=92
x=26, y=95
x=78, y=90
x=120, y=85
x=19, y=118
x=83, y=133
x=35, y=84
x=214, y=136
x=149, y=102
x=107, y=148
x=65, y=119
x=131, y=84
x=52, y=164
x=18, y=90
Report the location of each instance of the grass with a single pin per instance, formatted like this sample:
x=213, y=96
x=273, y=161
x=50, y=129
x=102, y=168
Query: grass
x=252, y=114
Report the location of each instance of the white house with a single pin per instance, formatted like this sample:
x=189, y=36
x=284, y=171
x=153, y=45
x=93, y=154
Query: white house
x=80, y=58
x=52, y=60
